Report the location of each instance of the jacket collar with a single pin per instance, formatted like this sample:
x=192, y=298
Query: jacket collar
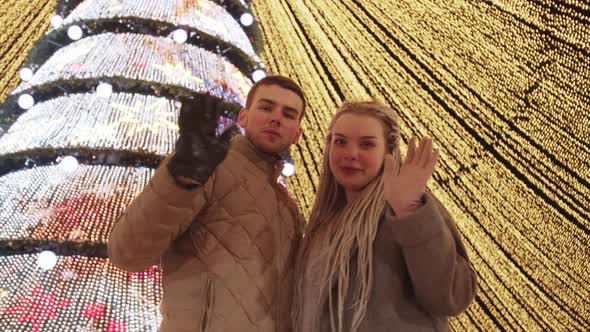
x=271, y=164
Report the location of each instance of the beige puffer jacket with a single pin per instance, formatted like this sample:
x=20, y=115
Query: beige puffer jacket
x=226, y=249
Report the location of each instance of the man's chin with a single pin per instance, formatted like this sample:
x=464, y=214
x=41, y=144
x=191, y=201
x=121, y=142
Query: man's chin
x=272, y=148
x=269, y=147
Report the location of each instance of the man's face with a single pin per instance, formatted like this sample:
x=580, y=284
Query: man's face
x=272, y=121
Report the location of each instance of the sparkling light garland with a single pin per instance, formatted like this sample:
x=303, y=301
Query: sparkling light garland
x=203, y=15
x=48, y=203
x=79, y=294
x=72, y=203
x=123, y=122
x=498, y=86
x=145, y=58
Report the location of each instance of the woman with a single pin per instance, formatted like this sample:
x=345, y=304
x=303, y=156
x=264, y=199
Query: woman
x=380, y=253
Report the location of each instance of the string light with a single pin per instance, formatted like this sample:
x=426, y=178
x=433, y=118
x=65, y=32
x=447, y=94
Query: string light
x=72, y=202
x=203, y=15
x=18, y=37
x=148, y=124
x=481, y=80
x=82, y=203
x=77, y=294
x=146, y=58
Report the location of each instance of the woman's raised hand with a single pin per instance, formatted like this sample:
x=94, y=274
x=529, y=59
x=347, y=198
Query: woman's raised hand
x=405, y=184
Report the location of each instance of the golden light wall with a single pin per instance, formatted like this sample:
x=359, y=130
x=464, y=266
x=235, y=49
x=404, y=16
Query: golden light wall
x=21, y=24
x=502, y=86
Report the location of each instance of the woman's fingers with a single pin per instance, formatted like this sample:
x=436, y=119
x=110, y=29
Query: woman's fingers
x=432, y=161
x=427, y=153
x=423, y=152
x=411, y=151
x=422, y=156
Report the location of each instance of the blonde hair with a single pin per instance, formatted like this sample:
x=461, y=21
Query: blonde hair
x=355, y=224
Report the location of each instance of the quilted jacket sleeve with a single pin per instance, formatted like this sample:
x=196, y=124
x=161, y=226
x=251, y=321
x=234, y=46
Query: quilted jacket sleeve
x=443, y=279
x=155, y=218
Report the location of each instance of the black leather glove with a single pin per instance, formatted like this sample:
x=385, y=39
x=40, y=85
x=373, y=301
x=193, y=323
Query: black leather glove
x=198, y=150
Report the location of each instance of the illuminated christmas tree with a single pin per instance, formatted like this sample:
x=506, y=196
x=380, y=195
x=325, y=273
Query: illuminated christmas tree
x=81, y=136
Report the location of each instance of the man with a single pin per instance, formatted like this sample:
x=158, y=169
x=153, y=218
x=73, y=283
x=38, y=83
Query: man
x=223, y=228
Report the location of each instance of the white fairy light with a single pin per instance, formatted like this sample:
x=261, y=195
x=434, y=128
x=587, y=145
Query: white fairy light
x=26, y=101
x=26, y=74
x=69, y=164
x=288, y=169
x=180, y=36
x=75, y=32
x=56, y=21
x=104, y=90
x=46, y=260
x=258, y=74
x=246, y=19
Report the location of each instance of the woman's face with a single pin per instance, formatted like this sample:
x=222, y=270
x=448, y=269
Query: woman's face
x=357, y=150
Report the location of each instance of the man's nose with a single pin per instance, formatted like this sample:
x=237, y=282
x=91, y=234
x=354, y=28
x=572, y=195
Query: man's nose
x=275, y=118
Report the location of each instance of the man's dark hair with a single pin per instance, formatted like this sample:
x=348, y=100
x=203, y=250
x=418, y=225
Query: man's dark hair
x=283, y=82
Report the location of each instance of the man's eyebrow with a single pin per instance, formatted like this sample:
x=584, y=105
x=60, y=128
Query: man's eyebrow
x=270, y=101
x=265, y=100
